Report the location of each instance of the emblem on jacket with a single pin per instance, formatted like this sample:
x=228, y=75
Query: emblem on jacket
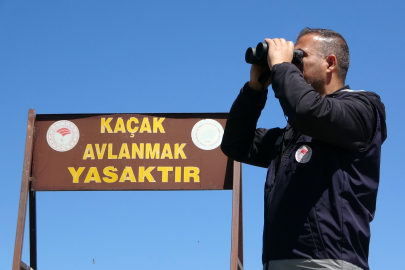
x=62, y=135
x=303, y=154
x=207, y=134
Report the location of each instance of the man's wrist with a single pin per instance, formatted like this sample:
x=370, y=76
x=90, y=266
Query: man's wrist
x=255, y=86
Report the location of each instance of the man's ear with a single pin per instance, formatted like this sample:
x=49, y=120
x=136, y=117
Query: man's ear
x=332, y=63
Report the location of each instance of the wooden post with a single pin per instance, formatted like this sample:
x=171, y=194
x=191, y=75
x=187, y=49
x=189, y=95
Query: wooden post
x=237, y=219
x=22, y=209
x=33, y=229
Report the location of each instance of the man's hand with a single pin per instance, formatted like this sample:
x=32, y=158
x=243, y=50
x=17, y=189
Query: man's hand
x=280, y=51
x=255, y=72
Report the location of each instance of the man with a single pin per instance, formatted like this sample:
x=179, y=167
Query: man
x=323, y=167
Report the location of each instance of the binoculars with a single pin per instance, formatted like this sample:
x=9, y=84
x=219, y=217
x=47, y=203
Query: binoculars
x=258, y=56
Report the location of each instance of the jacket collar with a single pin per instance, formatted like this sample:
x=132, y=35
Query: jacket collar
x=339, y=91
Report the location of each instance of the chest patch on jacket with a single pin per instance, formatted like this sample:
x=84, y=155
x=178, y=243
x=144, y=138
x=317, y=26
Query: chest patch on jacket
x=303, y=154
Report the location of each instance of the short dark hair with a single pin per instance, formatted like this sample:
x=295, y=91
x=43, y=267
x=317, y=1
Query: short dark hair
x=333, y=43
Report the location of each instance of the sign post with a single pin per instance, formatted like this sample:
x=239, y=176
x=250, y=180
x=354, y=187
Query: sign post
x=237, y=219
x=172, y=151
x=25, y=182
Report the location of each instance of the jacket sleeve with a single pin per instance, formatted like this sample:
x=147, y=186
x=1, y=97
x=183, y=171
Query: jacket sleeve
x=348, y=122
x=242, y=141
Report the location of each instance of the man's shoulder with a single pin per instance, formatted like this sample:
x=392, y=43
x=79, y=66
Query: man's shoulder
x=371, y=100
x=351, y=92
x=368, y=97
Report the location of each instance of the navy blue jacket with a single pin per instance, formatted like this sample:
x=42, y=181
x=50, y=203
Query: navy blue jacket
x=323, y=168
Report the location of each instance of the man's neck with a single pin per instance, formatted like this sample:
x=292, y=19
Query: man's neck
x=331, y=88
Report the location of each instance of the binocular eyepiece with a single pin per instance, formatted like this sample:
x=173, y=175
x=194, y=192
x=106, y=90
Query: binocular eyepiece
x=258, y=56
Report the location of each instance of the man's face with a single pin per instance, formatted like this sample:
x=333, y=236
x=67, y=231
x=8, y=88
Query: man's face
x=314, y=64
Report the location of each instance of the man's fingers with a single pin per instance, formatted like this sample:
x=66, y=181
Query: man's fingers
x=277, y=42
x=270, y=42
x=280, y=51
x=290, y=45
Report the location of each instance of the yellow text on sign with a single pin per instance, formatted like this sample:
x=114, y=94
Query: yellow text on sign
x=134, y=151
x=111, y=175
x=132, y=125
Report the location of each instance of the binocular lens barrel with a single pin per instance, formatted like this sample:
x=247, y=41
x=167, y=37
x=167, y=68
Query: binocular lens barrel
x=261, y=50
x=258, y=55
x=250, y=54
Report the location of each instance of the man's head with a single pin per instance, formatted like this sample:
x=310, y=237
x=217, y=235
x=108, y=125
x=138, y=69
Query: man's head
x=326, y=56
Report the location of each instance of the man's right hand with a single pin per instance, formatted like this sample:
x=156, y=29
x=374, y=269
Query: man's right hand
x=255, y=72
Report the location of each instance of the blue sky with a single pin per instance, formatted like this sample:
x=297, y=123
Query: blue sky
x=174, y=56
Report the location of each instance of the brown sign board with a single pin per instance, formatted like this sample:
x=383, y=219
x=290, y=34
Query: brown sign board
x=172, y=151
x=175, y=151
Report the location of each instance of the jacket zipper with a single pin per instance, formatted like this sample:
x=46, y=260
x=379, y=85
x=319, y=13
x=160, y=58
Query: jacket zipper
x=287, y=151
x=282, y=161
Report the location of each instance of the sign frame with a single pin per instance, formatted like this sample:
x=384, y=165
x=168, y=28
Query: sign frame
x=28, y=195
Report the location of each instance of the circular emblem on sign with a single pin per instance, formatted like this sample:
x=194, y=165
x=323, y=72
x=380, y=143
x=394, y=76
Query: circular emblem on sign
x=62, y=135
x=207, y=134
x=303, y=154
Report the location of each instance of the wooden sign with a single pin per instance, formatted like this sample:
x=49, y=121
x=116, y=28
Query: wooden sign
x=130, y=152
x=175, y=151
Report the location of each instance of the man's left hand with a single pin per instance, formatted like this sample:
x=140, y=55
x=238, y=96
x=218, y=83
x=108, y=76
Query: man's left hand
x=280, y=51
